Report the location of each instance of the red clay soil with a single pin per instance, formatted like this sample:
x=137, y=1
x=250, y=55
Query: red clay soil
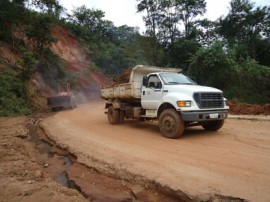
x=248, y=109
x=68, y=49
x=123, y=78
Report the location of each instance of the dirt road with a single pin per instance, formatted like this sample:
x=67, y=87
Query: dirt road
x=233, y=162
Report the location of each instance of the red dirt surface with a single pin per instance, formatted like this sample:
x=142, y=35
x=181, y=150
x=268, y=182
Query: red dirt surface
x=232, y=163
x=68, y=49
x=248, y=109
x=21, y=178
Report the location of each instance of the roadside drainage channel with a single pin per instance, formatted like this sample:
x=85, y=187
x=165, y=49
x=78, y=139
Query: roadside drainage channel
x=63, y=167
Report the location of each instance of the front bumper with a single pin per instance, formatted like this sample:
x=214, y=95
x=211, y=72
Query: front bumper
x=198, y=116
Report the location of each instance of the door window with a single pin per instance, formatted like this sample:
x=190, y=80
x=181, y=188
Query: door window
x=154, y=82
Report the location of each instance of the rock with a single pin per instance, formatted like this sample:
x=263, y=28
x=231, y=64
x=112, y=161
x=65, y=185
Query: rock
x=38, y=174
x=22, y=133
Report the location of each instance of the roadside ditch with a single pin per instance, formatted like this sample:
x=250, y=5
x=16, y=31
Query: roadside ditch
x=94, y=185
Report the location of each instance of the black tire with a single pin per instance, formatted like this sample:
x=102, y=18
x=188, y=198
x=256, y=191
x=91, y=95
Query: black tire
x=121, y=116
x=213, y=125
x=113, y=115
x=171, y=124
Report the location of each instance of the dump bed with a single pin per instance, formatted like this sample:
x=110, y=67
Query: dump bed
x=132, y=90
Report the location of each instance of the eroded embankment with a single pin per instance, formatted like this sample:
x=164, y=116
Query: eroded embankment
x=21, y=178
x=96, y=184
x=102, y=181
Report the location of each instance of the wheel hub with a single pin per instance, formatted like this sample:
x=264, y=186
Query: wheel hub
x=168, y=123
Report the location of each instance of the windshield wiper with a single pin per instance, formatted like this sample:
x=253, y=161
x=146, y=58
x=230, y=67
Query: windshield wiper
x=173, y=82
x=187, y=83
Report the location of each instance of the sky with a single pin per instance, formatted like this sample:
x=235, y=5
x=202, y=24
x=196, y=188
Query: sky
x=123, y=12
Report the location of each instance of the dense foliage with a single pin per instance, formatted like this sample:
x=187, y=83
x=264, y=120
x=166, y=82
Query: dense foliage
x=13, y=96
x=16, y=23
x=244, y=81
x=231, y=53
x=112, y=48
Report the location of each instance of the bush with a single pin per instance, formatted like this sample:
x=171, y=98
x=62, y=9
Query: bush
x=253, y=82
x=212, y=67
x=13, y=98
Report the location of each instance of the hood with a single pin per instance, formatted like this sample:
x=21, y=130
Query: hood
x=190, y=88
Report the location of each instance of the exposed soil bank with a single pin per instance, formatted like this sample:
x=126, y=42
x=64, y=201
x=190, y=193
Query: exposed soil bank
x=248, y=109
x=21, y=178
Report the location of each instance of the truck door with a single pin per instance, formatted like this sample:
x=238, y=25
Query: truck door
x=152, y=93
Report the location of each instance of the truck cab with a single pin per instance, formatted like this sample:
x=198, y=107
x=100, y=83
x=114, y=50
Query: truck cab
x=184, y=95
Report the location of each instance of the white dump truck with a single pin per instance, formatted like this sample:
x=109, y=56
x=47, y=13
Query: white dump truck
x=166, y=95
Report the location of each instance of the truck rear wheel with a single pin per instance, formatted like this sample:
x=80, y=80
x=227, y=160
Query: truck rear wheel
x=213, y=125
x=113, y=115
x=171, y=124
x=121, y=116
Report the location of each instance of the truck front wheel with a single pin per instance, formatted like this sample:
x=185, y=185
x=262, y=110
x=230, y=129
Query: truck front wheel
x=113, y=115
x=171, y=124
x=213, y=125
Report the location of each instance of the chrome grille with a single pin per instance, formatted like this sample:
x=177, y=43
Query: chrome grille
x=209, y=100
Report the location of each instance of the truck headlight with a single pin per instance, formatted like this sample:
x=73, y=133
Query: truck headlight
x=184, y=103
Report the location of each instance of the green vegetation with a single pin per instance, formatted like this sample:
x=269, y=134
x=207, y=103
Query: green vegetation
x=16, y=23
x=231, y=53
x=244, y=81
x=13, y=98
x=112, y=49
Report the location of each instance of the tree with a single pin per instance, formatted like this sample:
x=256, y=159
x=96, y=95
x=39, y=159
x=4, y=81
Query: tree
x=163, y=19
x=189, y=10
x=212, y=67
x=51, y=7
x=90, y=18
x=169, y=23
x=245, y=27
x=10, y=14
x=152, y=21
x=39, y=33
x=182, y=51
x=206, y=32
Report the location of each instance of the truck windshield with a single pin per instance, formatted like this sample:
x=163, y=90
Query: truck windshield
x=175, y=79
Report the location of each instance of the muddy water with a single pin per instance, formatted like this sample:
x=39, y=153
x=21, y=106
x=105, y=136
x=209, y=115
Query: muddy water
x=63, y=167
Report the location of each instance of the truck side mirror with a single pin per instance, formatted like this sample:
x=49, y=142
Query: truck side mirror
x=145, y=80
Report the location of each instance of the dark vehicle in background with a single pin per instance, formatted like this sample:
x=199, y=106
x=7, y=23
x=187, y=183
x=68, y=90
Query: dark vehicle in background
x=64, y=99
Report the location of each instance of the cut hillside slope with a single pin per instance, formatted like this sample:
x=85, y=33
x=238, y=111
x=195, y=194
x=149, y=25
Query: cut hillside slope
x=68, y=49
x=42, y=83
x=78, y=62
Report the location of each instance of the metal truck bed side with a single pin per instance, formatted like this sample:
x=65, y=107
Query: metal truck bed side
x=132, y=90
